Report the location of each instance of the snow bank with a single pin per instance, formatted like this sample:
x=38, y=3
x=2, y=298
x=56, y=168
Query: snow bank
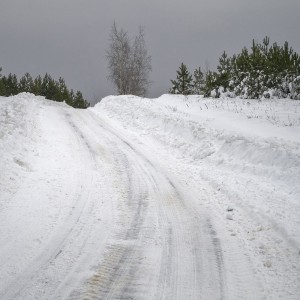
x=18, y=132
x=220, y=131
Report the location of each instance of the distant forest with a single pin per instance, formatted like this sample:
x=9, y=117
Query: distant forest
x=46, y=86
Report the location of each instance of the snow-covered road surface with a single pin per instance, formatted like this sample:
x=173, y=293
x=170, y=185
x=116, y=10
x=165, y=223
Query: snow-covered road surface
x=142, y=199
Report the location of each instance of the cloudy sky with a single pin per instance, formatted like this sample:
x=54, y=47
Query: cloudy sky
x=69, y=38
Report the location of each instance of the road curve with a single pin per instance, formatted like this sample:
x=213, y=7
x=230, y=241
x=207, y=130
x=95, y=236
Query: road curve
x=129, y=230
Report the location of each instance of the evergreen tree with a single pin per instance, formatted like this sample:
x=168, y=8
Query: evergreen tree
x=184, y=83
x=2, y=85
x=198, y=82
x=46, y=86
x=25, y=83
x=211, y=85
x=61, y=91
x=49, y=87
x=224, y=69
x=79, y=102
x=11, y=85
x=37, y=86
x=71, y=100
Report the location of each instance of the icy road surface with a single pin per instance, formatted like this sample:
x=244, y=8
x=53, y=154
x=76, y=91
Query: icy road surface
x=144, y=199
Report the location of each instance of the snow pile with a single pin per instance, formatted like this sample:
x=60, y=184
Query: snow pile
x=221, y=131
x=19, y=135
x=18, y=132
x=44, y=182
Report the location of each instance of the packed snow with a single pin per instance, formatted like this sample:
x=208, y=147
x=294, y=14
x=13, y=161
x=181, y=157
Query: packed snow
x=179, y=197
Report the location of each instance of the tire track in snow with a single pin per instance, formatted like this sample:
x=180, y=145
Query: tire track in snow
x=122, y=253
x=173, y=279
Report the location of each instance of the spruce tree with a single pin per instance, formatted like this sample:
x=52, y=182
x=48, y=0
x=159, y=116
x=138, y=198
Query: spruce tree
x=184, y=83
x=61, y=91
x=2, y=85
x=224, y=69
x=11, y=85
x=211, y=85
x=79, y=102
x=198, y=83
x=26, y=83
x=37, y=86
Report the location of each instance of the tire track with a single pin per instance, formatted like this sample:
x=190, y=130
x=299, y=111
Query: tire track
x=180, y=253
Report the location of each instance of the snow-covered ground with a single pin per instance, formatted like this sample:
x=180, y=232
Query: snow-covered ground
x=169, y=198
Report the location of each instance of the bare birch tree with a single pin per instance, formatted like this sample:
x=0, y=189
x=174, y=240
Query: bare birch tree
x=128, y=62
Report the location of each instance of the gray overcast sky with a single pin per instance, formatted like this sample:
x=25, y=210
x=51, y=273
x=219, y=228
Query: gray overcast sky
x=68, y=38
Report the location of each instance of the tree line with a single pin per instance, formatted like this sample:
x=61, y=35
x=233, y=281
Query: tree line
x=263, y=71
x=44, y=86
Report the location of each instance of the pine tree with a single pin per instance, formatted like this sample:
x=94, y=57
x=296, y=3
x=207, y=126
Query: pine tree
x=198, y=83
x=11, y=85
x=211, y=85
x=224, y=69
x=49, y=87
x=26, y=83
x=37, y=86
x=2, y=85
x=184, y=83
x=79, y=102
x=71, y=100
x=61, y=91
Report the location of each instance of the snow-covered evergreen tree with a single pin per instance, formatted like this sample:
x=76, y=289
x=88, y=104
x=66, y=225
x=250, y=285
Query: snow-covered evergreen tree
x=184, y=82
x=211, y=88
x=26, y=83
x=224, y=69
x=198, y=82
x=264, y=71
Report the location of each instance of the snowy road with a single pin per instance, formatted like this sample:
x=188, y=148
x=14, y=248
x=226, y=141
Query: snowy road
x=91, y=210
